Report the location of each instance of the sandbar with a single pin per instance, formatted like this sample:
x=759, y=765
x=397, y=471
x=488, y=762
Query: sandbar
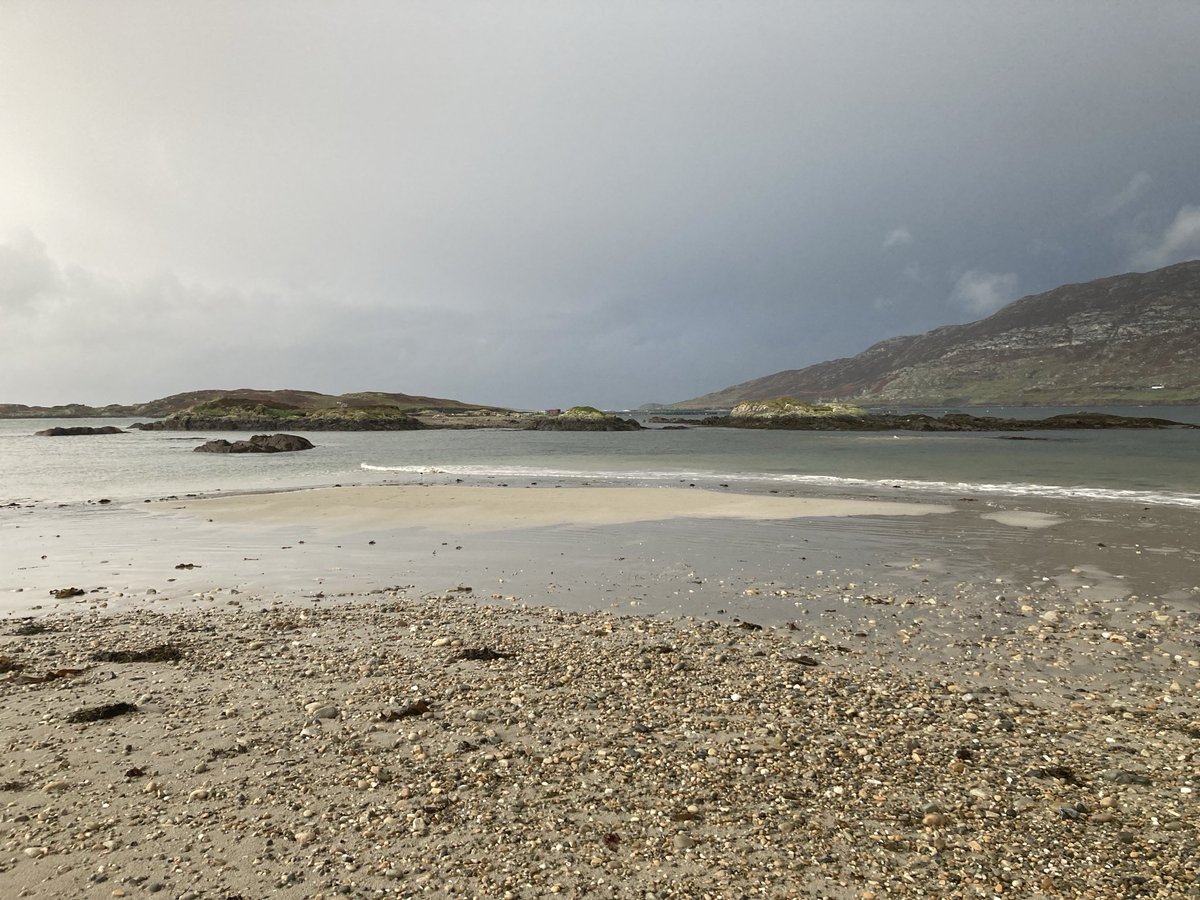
x=491, y=508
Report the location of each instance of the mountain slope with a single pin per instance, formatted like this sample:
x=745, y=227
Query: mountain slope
x=1105, y=341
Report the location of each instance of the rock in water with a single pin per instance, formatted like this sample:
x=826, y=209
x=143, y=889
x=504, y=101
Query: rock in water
x=78, y=429
x=260, y=443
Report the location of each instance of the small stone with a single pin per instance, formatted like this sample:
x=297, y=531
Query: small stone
x=321, y=710
x=935, y=820
x=682, y=842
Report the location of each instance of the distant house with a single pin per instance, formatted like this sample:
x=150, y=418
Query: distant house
x=1157, y=387
x=554, y=412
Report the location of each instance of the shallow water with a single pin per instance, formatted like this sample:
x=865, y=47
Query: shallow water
x=1154, y=468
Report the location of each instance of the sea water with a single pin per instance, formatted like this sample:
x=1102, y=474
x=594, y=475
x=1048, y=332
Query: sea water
x=1150, y=467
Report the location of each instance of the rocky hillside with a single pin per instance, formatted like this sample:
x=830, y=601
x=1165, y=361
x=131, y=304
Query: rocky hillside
x=304, y=401
x=1127, y=339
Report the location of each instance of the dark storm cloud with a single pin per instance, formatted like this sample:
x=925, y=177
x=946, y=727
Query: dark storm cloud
x=545, y=203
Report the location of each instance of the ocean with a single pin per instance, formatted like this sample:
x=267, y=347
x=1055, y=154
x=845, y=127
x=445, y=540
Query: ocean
x=1148, y=467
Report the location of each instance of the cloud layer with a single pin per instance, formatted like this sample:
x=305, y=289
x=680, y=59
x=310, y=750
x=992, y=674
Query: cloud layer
x=537, y=204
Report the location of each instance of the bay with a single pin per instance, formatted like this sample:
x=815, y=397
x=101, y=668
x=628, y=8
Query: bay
x=1133, y=466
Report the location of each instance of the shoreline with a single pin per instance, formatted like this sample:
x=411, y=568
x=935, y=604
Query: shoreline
x=651, y=550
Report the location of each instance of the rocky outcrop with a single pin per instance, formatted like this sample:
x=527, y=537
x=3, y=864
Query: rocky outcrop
x=948, y=422
x=260, y=443
x=785, y=407
x=78, y=430
x=254, y=423
x=310, y=401
x=1126, y=339
x=234, y=414
x=581, y=418
x=556, y=423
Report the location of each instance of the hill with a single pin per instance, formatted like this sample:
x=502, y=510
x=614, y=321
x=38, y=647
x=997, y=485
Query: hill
x=1126, y=339
x=304, y=401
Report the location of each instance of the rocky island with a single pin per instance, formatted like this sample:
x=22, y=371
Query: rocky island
x=241, y=414
x=250, y=414
x=260, y=443
x=78, y=430
x=795, y=415
x=581, y=418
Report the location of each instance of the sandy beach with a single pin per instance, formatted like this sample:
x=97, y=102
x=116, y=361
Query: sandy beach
x=654, y=693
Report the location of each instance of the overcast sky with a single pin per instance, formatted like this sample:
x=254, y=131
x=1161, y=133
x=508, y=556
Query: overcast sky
x=544, y=204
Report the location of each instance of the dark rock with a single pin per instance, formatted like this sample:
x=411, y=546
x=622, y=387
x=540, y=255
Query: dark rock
x=1062, y=773
x=803, y=661
x=79, y=429
x=483, y=653
x=160, y=653
x=948, y=422
x=67, y=593
x=99, y=713
x=31, y=627
x=260, y=443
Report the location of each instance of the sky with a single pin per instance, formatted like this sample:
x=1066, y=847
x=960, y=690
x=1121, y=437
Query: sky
x=536, y=204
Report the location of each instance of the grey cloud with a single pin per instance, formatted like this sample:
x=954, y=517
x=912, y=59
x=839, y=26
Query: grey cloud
x=982, y=293
x=1178, y=242
x=620, y=202
x=1130, y=193
x=27, y=273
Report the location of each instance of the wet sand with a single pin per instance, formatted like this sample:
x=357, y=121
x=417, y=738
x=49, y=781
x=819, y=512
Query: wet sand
x=350, y=509
x=676, y=551
x=998, y=699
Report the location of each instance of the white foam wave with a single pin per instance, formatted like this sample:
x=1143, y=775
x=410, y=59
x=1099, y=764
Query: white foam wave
x=1007, y=489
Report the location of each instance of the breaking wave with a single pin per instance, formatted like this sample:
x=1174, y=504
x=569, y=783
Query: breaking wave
x=648, y=477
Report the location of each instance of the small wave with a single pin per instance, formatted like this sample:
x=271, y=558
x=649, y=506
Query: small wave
x=1006, y=489
x=409, y=470
x=1010, y=489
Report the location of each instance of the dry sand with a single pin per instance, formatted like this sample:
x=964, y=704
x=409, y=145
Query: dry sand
x=913, y=735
